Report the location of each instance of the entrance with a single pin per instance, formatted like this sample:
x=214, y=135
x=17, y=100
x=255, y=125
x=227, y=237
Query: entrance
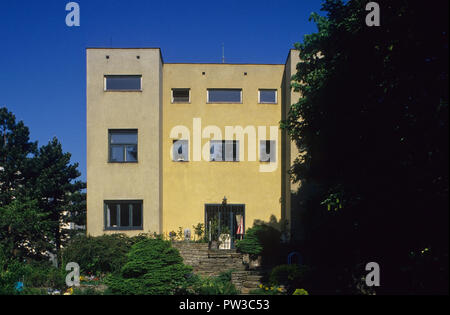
x=225, y=222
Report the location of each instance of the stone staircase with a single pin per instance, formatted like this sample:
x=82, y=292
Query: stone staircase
x=206, y=262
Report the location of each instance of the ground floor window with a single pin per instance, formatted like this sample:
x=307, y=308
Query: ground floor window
x=123, y=215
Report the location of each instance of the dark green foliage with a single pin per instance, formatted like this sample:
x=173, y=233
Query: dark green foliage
x=16, y=152
x=55, y=187
x=42, y=183
x=260, y=239
x=34, y=274
x=23, y=228
x=250, y=244
x=101, y=254
x=220, y=285
x=290, y=276
x=373, y=126
x=153, y=267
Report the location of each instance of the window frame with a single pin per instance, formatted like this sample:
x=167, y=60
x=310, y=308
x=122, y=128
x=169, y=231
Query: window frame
x=222, y=89
x=236, y=157
x=118, y=227
x=173, y=99
x=105, y=85
x=276, y=96
x=274, y=153
x=173, y=148
x=110, y=145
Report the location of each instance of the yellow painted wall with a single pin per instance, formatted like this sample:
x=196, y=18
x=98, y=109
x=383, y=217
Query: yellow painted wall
x=174, y=194
x=188, y=186
x=124, y=110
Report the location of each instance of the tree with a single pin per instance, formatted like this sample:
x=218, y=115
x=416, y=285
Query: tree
x=23, y=229
x=16, y=152
x=56, y=190
x=372, y=124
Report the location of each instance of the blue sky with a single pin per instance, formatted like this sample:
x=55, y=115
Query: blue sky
x=42, y=61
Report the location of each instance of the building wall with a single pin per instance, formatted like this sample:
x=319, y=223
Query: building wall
x=174, y=194
x=188, y=186
x=290, y=191
x=124, y=110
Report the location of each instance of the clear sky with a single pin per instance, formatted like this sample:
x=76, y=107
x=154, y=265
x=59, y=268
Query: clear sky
x=43, y=62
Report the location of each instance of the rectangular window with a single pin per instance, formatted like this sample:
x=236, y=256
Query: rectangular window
x=267, y=150
x=123, y=146
x=224, y=151
x=180, y=150
x=224, y=95
x=123, y=215
x=181, y=95
x=123, y=83
x=267, y=96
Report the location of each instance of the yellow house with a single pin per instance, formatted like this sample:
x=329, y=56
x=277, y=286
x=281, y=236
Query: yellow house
x=171, y=145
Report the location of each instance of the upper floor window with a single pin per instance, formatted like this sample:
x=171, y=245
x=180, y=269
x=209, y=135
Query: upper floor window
x=180, y=150
x=123, y=215
x=123, y=146
x=224, y=150
x=267, y=96
x=181, y=95
x=267, y=150
x=224, y=95
x=123, y=83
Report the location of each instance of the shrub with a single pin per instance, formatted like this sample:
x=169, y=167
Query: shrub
x=153, y=267
x=300, y=292
x=102, y=254
x=267, y=290
x=291, y=276
x=220, y=285
x=33, y=275
x=260, y=240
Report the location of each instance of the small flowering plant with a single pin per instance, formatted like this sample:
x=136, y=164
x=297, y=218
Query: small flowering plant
x=173, y=235
x=269, y=290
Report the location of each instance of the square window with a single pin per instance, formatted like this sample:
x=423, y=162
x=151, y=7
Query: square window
x=123, y=146
x=180, y=150
x=267, y=96
x=123, y=215
x=181, y=95
x=267, y=150
x=224, y=150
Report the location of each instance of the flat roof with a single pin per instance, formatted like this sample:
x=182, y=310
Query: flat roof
x=191, y=63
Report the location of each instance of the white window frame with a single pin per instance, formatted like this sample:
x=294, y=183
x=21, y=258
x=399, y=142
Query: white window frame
x=173, y=100
x=259, y=96
x=105, y=88
x=207, y=95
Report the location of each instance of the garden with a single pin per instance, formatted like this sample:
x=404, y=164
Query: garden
x=146, y=264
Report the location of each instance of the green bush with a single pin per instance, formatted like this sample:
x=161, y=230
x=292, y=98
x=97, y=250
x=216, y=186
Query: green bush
x=220, y=285
x=101, y=254
x=259, y=240
x=300, y=292
x=33, y=274
x=290, y=276
x=267, y=290
x=153, y=267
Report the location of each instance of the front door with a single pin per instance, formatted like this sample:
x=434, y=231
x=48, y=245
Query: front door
x=225, y=223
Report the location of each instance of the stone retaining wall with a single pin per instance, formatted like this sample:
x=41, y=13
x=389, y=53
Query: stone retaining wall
x=206, y=262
